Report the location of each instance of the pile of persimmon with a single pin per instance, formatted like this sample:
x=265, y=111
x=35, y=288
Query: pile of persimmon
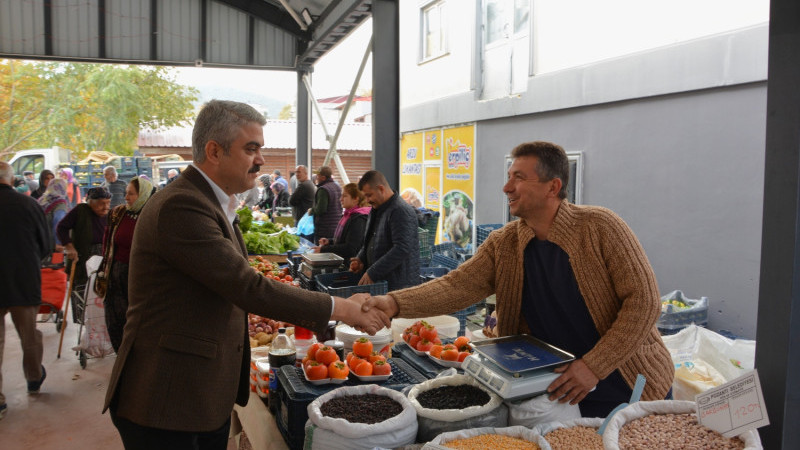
x=456, y=351
x=364, y=362
x=421, y=336
x=322, y=362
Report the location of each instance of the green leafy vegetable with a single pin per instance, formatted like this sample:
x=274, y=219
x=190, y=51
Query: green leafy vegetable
x=245, y=219
x=264, y=244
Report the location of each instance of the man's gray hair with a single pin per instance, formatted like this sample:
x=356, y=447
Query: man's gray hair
x=6, y=173
x=111, y=169
x=221, y=121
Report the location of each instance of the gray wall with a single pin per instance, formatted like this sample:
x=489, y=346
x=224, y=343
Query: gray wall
x=685, y=171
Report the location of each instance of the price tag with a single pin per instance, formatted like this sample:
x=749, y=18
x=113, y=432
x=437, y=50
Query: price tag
x=734, y=407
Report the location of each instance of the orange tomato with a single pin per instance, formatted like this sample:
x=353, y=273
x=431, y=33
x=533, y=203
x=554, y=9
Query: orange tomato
x=461, y=342
x=312, y=351
x=316, y=371
x=338, y=369
x=375, y=356
x=362, y=347
x=436, y=351
x=326, y=355
x=364, y=369
x=381, y=368
x=450, y=354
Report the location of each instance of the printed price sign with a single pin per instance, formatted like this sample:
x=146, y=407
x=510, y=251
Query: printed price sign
x=734, y=407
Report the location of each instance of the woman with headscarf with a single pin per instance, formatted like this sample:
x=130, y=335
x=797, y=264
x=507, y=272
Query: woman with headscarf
x=281, y=196
x=267, y=197
x=44, y=179
x=54, y=203
x=349, y=234
x=116, y=255
x=81, y=231
x=73, y=189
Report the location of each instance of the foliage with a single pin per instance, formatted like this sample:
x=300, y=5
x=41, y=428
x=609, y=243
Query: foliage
x=265, y=244
x=287, y=112
x=86, y=107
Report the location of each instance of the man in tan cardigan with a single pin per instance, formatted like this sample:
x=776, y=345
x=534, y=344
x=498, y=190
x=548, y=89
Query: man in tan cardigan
x=573, y=276
x=185, y=354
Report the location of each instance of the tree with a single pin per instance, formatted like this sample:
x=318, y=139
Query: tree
x=287, y=112
x=86, y=107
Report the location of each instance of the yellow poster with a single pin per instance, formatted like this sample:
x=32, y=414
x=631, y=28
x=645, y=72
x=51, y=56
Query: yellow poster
x=433, y=187
x=411, y=151
x=433, y=145
x=458, y=186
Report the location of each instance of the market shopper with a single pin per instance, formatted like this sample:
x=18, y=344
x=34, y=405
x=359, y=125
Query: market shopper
x=24, y=238
x=81, y=231
x=266, y=197
x=74, y=196
x=327, y=204
x=114, y=185
x=45, y=177
x=390, y=250
x=185, y=354
x=280, y=197
x=574, y=276
x=349, y=233
x=302, y=199
x=116, y=256
x=54, y=204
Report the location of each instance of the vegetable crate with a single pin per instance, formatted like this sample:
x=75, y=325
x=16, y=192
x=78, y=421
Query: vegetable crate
x=345, y=284
x=296, y=394
x=484, y=230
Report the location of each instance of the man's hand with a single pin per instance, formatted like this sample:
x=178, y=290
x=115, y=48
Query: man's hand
x=365, y=279
x=70, y=251
x=385, y=303
x=349, y=311
x=575, y=382
x=323, y=242
x=356, y=265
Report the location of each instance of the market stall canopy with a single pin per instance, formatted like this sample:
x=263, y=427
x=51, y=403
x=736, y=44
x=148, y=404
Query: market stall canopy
x=270, y=34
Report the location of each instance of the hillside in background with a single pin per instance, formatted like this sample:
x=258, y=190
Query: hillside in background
x=265, y=104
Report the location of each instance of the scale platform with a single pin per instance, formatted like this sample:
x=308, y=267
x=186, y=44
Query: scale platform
x=515, y=367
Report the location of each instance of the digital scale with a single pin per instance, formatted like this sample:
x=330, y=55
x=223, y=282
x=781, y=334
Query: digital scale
x=515, y=367
x=316, y=263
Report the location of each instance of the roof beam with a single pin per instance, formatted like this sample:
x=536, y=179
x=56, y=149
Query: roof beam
x=271, y=14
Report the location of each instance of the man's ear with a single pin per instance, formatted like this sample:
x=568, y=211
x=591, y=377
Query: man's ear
x=213, y=152
x=555, y=187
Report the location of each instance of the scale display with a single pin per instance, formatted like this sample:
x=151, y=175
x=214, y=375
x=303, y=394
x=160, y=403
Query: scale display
x=515, y=367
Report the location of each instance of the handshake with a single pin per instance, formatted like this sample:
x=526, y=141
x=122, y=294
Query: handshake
x=364, y=312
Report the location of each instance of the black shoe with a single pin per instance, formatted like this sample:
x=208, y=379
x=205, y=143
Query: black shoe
x=34, y=386
x=3, y=409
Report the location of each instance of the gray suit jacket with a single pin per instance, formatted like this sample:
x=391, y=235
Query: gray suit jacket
x=185, y=353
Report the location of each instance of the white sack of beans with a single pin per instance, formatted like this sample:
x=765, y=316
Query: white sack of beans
x=572, y=434
x=432, y=422
x=526, y=434
x=614, y=436
x=533, y=411
x=324, y=432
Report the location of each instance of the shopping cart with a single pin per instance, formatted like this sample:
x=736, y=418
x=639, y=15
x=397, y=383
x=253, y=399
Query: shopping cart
x=77, y=296
x=54, y=290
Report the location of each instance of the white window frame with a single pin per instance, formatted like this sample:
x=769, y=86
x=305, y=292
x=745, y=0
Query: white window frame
x=423, y=41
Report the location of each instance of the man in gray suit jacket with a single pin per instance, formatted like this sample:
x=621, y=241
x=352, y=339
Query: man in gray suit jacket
x=185, y=353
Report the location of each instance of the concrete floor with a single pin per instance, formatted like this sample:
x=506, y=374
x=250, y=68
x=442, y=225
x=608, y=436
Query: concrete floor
x=66, y=414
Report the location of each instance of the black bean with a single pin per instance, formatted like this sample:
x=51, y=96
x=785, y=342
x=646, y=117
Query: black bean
x=366, y=408
x=453, y=397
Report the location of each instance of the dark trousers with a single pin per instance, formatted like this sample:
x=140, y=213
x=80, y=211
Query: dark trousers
x=138, y=437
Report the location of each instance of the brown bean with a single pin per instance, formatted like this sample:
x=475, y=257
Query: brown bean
x=491, y=441
x=575, y=438
x=673, y=431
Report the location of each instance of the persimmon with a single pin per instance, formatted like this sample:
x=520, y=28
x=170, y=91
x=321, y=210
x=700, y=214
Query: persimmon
x=326, y=355
x=312, y=350
x=375, y=356
x=424, y=345
x=461, y=342
x=381, y=368
x=428, y=332
x=316, y=371
x=450, y=354
x=338, y=369
x=362, y=347
x=364, y=369
x=436, y=351
x=462, y=356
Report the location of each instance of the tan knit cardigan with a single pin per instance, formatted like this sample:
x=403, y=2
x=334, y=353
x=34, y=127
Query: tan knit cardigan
x=613, y=275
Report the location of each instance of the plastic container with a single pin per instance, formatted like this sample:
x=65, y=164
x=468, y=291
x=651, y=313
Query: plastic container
x=345, y=284
x=281, y=353
x=483, y=231
x=445, y=325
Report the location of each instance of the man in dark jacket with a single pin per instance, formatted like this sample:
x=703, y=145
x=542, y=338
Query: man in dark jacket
x=391, y=244
x=302, y=199
x=25, y=240
x=327, y=204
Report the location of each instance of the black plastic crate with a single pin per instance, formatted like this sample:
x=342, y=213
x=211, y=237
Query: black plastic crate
x=483, y=231
x=445, y=249
x=444, y=261
x=345, y=284
x=425, y=241
x=430, y=273
x=296, y=394
x=294, y=263
x=306, y=283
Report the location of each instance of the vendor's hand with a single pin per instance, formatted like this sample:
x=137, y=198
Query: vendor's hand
x=365, y=279
x=356, y=265
x=360, y=298
x=323, y=242
x=385, y=303
x=575, y=382
x=59, y=248
x=71, y=253
x=349, y=312
x=315, y=249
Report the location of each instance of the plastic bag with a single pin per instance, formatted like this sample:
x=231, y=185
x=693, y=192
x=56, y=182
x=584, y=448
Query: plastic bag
x=433, y=422
x=94, y=340
x=533, y=411
x=305, y=226
x=701, y=355
x=332, y=433
x=518, y=432
x=679, y=311
x=642, y=409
